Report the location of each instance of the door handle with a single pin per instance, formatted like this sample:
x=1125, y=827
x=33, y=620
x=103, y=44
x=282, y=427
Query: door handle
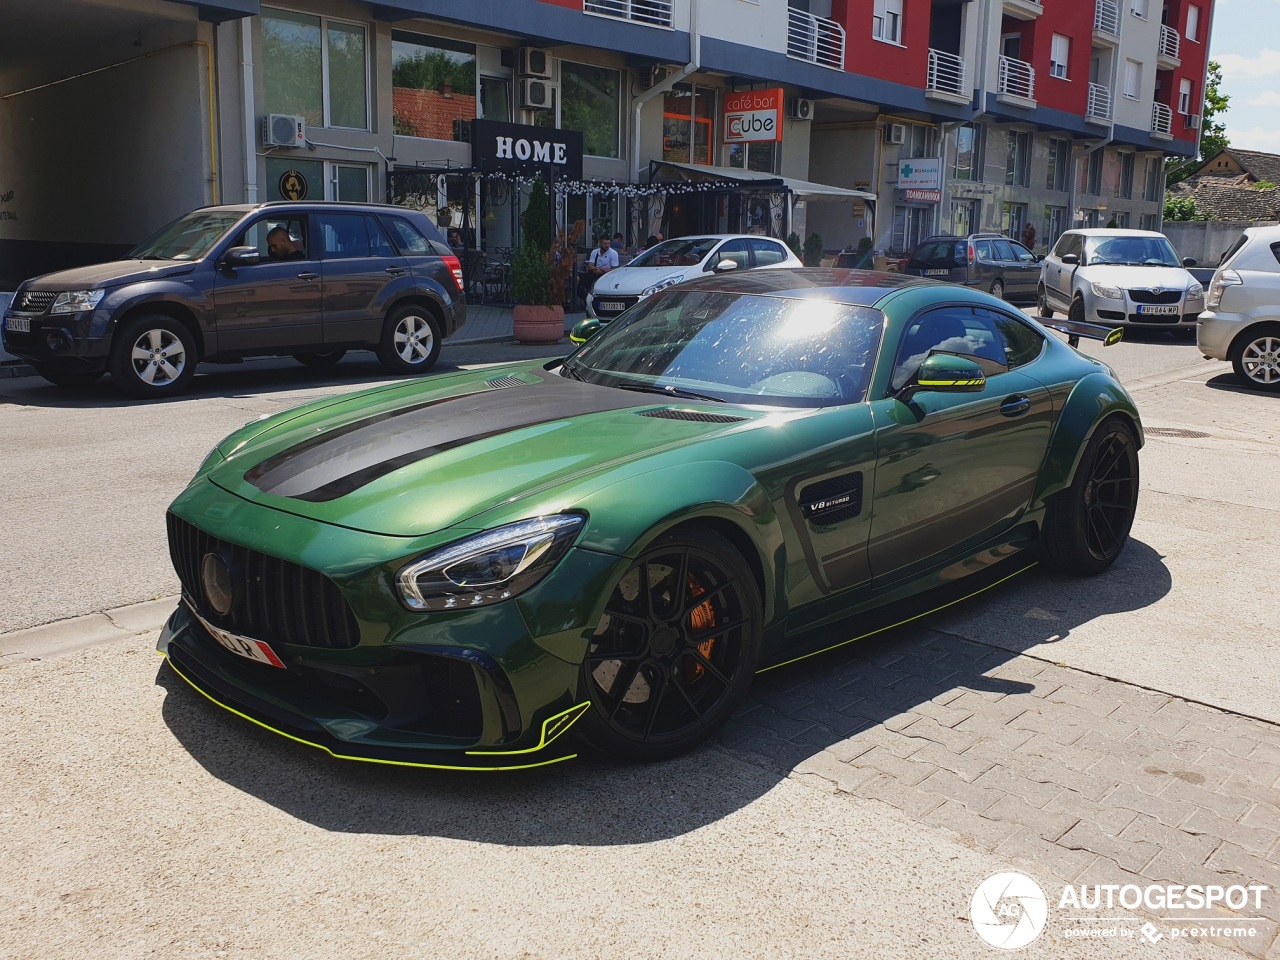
x=1015, y=406
x=395, y=271
x=308, y=276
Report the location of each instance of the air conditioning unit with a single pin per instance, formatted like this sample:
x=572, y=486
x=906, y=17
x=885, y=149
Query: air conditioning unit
x=537, y=94
x=895, y=133
x=535, y=63
x=801, y=109
x=1193, y=121
x=283, y=130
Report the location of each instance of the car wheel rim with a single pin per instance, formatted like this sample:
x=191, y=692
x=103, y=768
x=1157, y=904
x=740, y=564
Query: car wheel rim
x=1110, y=497
x=414, y=339
x=997, y=289
x=158, y=357
x=663, y=659
x=1261, y=361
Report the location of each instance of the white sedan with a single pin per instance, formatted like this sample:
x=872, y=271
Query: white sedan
x=679, y=259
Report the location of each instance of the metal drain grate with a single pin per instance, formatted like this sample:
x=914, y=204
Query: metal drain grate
x=498, y=383
x=1177, y=432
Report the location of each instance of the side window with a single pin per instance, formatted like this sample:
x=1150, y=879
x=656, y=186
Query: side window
x=407, y=237
x=276, y=238
x=1068, y=243
x=767, y=252
x=344, y=236
x=1021, y=253
x=985, y=250
x=963, y=331
x=735, y=250
x=1004, y=250
x=1018, y=341
x=379, y=245
x=1275, y=251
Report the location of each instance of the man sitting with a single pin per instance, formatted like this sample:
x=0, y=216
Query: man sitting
x=602, y=260
x=281, y=246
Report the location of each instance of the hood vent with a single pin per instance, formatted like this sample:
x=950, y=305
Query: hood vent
x=692, y=415
x=500, y=383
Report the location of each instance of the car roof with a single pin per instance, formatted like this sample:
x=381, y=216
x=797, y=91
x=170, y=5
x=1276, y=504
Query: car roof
x=303, y=204
x=722, y=236
x=857, y=287
x=1113, y=232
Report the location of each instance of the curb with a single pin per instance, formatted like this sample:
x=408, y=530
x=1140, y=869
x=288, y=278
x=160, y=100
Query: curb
x=68, y=636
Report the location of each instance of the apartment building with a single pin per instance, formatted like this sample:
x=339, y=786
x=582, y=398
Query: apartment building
x=887, y=119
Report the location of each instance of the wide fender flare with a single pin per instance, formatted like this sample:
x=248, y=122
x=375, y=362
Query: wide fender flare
x=139, y=296
x=1094, y=398
x=629, y=515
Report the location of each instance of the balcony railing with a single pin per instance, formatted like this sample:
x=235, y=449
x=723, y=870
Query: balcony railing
x=815, y=39
x=655, y=13
x=1017, y=79
x=946, y=73
x=1106, y=17
x=1099, y=103
x=1161, y=119
x=1170, y=42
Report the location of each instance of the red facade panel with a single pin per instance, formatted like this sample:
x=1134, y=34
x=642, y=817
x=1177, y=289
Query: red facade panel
x=907, y=63
x=1194, y=57
x=1075, y=22
x=571, y=4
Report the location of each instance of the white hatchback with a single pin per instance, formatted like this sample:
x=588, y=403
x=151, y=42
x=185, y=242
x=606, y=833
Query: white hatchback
x=679, y=259
x=1241, y=320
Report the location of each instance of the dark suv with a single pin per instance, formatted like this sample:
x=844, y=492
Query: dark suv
x=308, y=280
x=987, y=261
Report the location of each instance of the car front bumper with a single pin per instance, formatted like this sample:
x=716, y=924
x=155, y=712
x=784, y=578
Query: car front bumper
x=1216, y=331
x=74, y=341
x=1125, y=312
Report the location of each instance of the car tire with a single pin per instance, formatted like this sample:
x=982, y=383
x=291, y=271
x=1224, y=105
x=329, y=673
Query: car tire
x=1087, y=525
x=997, y=289
x=153, y=355
x=1255, y=357
x=1076, y=313
x=326, y=358
x=1042, y=304
x=70, y=379
x=660, y=676
x=410, y=340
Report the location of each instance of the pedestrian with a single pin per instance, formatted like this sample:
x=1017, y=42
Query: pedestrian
x=603, y=259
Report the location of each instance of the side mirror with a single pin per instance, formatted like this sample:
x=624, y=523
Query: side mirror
x=1189, y=261
x=1071, y=260
x=242, y=256
x=724, y=266
x=945, y=373
x=1039, y=258
x=584, y=330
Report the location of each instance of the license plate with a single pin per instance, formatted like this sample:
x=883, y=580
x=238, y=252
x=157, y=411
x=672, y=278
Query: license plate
x=1158, y=310
x=937, y=273
x=611, y=305
x=18, y=324
x=245, y=647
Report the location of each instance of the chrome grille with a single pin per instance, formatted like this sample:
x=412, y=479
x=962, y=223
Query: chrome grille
x=36, y=301
x=275, y=600
x=1140, y=295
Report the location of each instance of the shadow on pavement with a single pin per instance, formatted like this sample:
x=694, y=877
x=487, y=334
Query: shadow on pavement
x=790, y=714
x=1229, y=383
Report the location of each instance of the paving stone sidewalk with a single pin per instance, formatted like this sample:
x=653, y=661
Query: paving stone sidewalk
x=1073, y=777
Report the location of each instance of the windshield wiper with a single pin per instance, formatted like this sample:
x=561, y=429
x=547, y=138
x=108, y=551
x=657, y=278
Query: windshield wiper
x=669, y=391
x=572, y=374
x=152, y=256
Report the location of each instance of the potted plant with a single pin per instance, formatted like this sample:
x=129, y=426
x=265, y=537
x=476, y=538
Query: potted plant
x=538, y=315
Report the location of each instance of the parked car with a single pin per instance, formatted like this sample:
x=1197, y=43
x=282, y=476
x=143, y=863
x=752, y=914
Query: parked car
x=1120, y=277
x=495, y=568
x=988, y=261
x=310, y=280
x=1241, y=319
x=683, y=258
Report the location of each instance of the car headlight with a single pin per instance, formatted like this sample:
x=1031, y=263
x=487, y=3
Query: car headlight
x=1105, y=292
x=77, y=301
x=1195, y=292
x=489, y=567
x=662, y=284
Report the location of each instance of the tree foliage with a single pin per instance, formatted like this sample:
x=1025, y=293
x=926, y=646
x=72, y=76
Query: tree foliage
x=1181, y=209
x=430, y=69
x=1213, y=132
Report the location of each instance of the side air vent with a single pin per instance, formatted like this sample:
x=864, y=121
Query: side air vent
x=499, y=383
x=833, y=500
x=692, y=415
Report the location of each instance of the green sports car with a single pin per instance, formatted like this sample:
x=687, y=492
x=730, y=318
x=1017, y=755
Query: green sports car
x=490, y=569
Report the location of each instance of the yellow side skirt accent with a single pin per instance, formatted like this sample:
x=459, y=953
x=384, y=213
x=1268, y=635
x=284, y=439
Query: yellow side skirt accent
x=842, y=643
x=393, y=763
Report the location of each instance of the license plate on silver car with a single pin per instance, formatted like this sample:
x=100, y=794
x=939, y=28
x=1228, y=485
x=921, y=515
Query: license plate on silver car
x=612, y=305
x=18, y=324
x=1158, y=310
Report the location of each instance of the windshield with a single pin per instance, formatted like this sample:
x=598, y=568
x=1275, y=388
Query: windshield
x=1131, y=251
x=188, y=238
x=682, y=252
x=770, y=351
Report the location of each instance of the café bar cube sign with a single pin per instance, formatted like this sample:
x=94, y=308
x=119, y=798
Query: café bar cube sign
x=753, y=116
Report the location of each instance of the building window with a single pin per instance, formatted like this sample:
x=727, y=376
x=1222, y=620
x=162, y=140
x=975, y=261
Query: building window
x=886, y=20
x=1149, y=221
x=918, y=143
x=968, y=163
x=687, y=121
x=1155, y=179
x=1122, y=219
x=1059, y=54
x=433, y=85
x=1055, y=222
x=1124, y=188
x=319, y=179
x=910, y=226
x=1017, y=171
x=1184, y=97
x=760, y=157
x=1193, y=23
x=590, y=103
x=1013, y=220
x=316, y=68
x=1132, y=79
x=1139, y=8
x=1091, y=171
x=1059, y=165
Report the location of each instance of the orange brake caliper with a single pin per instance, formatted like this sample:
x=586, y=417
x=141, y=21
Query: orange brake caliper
x=702, y=618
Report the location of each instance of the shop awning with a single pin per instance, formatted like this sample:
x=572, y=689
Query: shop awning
x=802, y=189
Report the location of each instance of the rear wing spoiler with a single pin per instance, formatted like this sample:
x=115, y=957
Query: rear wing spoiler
x=1109, y=336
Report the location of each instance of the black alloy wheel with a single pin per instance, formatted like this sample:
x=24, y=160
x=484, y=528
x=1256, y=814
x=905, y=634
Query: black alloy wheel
x=1088, y=524
x=675, y=650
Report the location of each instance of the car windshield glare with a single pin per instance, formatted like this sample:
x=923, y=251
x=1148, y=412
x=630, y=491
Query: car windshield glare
x=188, y=238
x=682, y=252
x=759, y=350
x=1131, y=251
